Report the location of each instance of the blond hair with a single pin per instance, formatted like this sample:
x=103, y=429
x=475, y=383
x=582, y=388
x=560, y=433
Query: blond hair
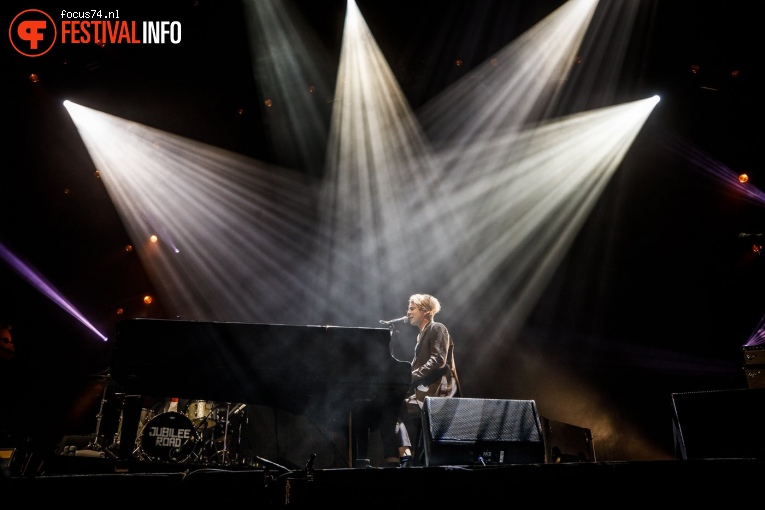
x=426, y=303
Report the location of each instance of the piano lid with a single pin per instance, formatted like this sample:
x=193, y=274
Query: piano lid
x=297, y=368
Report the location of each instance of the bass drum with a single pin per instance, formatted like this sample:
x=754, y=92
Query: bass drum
x=168, y=437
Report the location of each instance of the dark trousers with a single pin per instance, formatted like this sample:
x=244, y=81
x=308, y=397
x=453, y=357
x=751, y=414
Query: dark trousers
x=401, y=426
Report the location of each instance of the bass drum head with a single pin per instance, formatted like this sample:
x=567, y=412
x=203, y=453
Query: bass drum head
x=168, y=437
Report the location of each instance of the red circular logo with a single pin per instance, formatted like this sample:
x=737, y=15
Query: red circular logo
x=32, y=33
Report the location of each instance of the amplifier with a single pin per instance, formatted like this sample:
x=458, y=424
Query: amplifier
x=754, y=355
x=755, y=377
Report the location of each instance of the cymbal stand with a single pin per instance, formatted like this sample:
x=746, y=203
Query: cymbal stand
x=224, y=460
x=114, y=447
x=93, y=444
x=201, y=431
x=235, y=425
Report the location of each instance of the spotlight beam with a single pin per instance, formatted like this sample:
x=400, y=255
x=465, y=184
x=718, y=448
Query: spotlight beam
x=39, y=282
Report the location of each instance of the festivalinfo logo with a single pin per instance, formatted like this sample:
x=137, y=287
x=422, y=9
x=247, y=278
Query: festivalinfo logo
x=34, y=32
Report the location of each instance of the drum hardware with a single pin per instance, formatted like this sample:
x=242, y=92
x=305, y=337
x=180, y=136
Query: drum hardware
x=234, y=440
x=206, y=431
x=203, y=434
x=215, y=440
x=93, y=444
x=224, y=452
x=113, y=449
x=146, y=416
x=210, y=440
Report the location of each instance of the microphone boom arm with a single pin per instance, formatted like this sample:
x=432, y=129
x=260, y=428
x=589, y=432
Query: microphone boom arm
x=404, y=319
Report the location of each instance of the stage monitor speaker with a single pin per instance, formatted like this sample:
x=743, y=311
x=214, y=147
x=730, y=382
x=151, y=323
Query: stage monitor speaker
x=721, y=424
x=473, y=431
x=566, y=443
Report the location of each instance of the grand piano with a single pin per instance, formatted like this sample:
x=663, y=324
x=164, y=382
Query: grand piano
x=340, y=376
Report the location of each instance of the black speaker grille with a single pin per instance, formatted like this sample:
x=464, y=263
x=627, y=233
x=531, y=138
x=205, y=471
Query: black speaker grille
x=472, y=420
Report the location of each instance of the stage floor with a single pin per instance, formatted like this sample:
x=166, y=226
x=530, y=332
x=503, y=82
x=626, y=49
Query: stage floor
x=98, y=481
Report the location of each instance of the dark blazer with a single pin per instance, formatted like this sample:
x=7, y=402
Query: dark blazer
x=434, y=373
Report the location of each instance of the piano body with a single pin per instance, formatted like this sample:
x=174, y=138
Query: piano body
x=337, y=376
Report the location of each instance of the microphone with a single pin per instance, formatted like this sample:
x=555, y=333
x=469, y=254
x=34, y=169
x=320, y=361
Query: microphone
x=309, y=464
x=404, y=319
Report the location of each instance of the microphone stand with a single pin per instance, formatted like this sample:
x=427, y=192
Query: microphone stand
x=309, y=467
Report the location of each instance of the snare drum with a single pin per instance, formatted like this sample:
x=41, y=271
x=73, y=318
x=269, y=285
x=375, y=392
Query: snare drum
x=201, y=410
x=168, y=437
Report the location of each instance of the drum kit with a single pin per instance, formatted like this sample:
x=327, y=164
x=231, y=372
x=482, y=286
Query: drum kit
x=205, y=432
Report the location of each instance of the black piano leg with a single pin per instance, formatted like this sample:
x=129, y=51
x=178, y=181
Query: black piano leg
x=131, y=415
x=360, y=426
